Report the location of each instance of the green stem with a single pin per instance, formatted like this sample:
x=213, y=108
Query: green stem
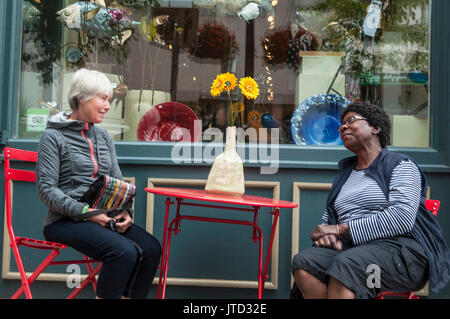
x=231, y=106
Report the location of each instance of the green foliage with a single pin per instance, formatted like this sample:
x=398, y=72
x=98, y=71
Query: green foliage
x=44, y=32
x=365, y=54
x=47, y=42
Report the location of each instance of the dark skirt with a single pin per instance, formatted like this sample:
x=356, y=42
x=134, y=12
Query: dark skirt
x=395, y=264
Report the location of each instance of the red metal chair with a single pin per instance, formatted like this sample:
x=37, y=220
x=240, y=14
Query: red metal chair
x=16, y=241
x=433, y=207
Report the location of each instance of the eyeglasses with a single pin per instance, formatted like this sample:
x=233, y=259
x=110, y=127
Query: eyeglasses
x=350, y=121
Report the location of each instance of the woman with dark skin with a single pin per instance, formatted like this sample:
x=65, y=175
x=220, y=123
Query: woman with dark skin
x=362, y=139
x=372, y=219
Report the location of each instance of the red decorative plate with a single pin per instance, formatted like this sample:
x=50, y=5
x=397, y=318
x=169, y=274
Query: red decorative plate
x=170, y=122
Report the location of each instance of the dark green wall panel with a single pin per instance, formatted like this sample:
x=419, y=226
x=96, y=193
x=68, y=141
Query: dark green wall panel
x=231, y=253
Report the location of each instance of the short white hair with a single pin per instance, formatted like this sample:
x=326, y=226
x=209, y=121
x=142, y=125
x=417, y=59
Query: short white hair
x=85, y=84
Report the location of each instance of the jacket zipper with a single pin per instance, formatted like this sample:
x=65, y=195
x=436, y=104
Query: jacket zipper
x=91, y=147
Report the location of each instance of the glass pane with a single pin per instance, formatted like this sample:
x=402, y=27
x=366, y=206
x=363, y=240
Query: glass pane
x=307, y=58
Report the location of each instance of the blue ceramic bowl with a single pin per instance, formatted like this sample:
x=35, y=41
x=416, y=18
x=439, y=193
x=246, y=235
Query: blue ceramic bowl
x=316, y=120
x=418, y=77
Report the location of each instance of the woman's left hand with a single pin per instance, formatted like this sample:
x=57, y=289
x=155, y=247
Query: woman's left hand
x=123, y=225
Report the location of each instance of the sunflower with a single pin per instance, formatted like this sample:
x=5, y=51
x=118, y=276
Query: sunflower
x=227, y=82
x=249, y=87
x=230, y=80
x=237, y=107
x=218, y=86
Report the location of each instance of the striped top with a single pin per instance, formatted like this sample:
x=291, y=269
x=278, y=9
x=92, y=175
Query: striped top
x=362, y=204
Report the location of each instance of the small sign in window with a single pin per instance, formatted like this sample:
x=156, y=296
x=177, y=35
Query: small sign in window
x=37, y=120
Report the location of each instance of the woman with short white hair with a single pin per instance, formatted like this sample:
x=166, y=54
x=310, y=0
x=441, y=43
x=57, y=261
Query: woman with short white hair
x=85, y=84
x=72, y=153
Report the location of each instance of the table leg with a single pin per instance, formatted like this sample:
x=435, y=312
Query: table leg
x=166, y=261
x=276, y=213
x=260, y=267
x=162, y=269
x=255, y=221
x=177, y=230
x=172, y=228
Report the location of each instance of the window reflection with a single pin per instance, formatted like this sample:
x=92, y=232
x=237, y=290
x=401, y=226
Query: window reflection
x=300, y=53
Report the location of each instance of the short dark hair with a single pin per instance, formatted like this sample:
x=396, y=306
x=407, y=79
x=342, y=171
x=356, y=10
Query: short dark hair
x=375, y=116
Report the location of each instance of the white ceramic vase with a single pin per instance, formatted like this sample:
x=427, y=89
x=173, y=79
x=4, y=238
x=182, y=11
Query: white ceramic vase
x=227, y=172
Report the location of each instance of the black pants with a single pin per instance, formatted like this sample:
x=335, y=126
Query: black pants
x=394, y=264
x=130, y=260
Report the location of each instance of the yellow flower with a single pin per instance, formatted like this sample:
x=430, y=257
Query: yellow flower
x=223, y=82
x=227, y=82
x=249, y=87
x=218, y=86
x=238, y=107
x=230, y=80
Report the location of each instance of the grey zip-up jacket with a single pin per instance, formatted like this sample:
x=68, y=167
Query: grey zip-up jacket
x=71, y=155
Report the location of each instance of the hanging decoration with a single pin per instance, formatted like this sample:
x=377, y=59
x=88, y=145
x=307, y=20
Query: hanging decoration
x=280, y=47
x=304, y=40
x=173, y=27
x=275, y=46
x=373, y=17
x=95, y=21
x=249, y=12
x=31, y=17
x=244, y=9
x=149, y=28
x=215, y=42
x=119, y=93
x=74, y=56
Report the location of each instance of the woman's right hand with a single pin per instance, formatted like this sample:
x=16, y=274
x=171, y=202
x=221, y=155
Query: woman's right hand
x=329, y=241
x=100, y=219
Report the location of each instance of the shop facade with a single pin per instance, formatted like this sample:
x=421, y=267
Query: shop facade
x=308, y=60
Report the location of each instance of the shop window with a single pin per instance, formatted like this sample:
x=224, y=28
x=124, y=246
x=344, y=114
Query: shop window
x=308, y=59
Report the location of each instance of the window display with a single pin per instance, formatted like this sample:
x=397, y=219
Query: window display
x=308, y=59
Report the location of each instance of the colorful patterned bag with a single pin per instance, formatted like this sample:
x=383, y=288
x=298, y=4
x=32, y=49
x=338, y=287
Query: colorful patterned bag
x=109, y=193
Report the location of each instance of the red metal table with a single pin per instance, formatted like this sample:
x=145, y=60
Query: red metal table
x=245, y=201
